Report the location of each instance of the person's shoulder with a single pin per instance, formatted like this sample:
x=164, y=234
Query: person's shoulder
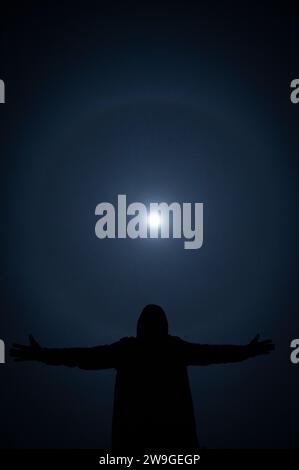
x=175, y=340
x=178, y=343
x=127, y=341
x=128, y=338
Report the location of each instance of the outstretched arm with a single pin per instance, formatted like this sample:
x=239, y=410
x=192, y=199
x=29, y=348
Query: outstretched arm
x=98, y=357
x=204, y=354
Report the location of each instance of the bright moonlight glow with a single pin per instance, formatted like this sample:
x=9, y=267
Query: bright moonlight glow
x=154, y=219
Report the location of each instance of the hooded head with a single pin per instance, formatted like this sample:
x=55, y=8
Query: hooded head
x=152, y=323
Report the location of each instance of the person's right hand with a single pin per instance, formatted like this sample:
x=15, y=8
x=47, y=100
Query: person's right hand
x=22, y=352
x=257, y=347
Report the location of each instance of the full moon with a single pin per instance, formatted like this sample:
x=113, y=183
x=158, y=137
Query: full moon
x=154, y=219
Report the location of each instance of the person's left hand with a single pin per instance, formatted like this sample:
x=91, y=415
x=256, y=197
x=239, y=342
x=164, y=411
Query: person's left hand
x=22, y=352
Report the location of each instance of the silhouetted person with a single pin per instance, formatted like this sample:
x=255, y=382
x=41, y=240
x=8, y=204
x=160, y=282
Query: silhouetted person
x=152, y=402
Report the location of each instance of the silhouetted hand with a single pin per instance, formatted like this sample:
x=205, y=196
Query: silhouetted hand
x=21, y=352
x=257, y=347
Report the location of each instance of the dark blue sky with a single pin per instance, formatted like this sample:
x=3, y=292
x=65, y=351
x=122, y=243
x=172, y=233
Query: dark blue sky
x=176, y=103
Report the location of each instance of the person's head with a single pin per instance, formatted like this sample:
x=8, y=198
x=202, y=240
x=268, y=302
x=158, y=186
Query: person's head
x=152, y=323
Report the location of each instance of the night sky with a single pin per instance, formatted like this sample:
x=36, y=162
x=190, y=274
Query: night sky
x=161, y=102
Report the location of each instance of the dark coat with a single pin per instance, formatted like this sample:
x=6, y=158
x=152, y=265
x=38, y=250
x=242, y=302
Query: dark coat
x=152, y=401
